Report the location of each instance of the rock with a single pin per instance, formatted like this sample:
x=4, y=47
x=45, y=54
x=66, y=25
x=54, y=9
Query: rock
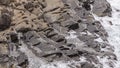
x=67, y=23
x=5, y=21
x=55, y=37
x=71, y=46
x=50, y=18
x=72, y=4
x=44, y=47
x=5, y=2
x=53, y=4
x=24, y=64
x=103, y=9
x=14, y=38
x=42, y=29
x=34, y=42
x=87, y=65
x=94, y=44
x=82, y=13
x=4, y=48
x=61, y=39
x=23, y=30
x=22, y=60
x=82, y=27
x=4, y=58
x=53, y=56
x=92, y=58
x=51, y=34
x=86, y=5
x=29, y=6
x=85, y=38
x=57, y=27
x=31, y=36
x=92, y=28
x=73, y=54
x=63, y=48
x=74, y=26
x=66, y=16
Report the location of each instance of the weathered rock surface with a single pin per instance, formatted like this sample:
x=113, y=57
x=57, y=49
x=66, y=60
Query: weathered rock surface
x=103, y=9
x=53, y=30
x=5, y=19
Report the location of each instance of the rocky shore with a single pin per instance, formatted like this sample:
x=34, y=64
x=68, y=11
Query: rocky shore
x=51, y=31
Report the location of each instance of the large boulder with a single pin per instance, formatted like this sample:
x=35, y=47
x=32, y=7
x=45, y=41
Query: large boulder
x=5, y=19
x=101, y=8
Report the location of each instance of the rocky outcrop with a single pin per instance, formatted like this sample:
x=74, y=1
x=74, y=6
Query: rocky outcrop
x=103, y=9
x=46, y=29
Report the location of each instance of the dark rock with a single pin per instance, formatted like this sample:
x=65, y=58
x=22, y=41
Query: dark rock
x=14, y=38
x=59, y=39
x=24, y=64
x=64, y=48
x=71, y=46
x=74, y=26
x=108, y=10
x=87, y=65
x=57, y=54
x=55, y=57
x=73, y=54
x=23, y=30
x=110, y=23
x=48, y=30
x=55, y=37
x=29, y=6
x=86, y=5
x=80, y=52
x=51, y=34
x=5, y=21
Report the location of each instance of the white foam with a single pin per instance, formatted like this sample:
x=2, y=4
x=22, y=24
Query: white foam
x=71, y=35
x=113, y=30
x=36, y=62
x=104, y=61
